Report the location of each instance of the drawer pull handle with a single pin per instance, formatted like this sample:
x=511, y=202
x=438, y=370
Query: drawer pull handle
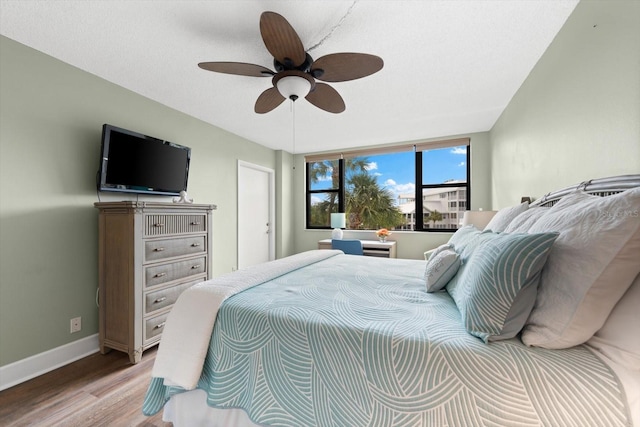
x=158, y=224
x=160, y=275
x=195, y=245
x=193, y=267
x=158, y=249
x=159, y=300
x=159, y=326
x=195, y=223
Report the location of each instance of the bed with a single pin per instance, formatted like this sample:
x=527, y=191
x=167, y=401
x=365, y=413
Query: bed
x=531, y=321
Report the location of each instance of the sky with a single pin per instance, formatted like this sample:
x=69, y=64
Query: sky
x=395, y=172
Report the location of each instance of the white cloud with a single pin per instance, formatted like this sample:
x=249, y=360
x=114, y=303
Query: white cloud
x=398, y=189
x=324, y=178
x=462, y=163
x=459, y=150
x=405, y=188
x=315, y=200
x=371, y=166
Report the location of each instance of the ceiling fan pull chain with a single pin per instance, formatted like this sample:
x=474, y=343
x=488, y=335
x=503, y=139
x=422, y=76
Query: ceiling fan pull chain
x=293, y=129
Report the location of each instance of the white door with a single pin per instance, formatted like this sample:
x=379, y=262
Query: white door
x=256, y=214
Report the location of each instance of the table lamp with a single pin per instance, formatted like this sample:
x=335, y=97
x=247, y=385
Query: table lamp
x=478, y=219
x=338, y=222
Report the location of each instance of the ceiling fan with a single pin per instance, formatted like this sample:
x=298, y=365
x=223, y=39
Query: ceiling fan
x=295, y=70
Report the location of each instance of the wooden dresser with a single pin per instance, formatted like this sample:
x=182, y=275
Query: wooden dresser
x=148, y=254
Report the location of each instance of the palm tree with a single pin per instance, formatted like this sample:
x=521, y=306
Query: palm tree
x=434, y=216
x=368, y=205
x=320, y=212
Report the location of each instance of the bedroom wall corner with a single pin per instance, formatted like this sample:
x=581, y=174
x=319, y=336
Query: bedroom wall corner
x=284, y=204
x=480, y=171
x=576, y=115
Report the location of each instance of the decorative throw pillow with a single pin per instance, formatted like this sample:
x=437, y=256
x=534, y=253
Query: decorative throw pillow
x=523, y=222
x=433, y=252
x=501, y=220
x=441, y=267
x=463, y=237
x=591, y=266
x=496, y=284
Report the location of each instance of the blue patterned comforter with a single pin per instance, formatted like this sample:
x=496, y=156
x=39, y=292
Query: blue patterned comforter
x=357, y=341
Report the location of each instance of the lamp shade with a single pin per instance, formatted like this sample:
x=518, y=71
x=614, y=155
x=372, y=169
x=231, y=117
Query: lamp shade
x=293, y=86
x=478, y=219
x=338, y=220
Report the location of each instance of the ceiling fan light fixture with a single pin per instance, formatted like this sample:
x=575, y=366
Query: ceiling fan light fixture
x=296, y=71
x=293, y=87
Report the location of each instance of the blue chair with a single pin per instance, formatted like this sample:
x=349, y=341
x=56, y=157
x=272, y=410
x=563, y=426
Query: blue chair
x=351, y=247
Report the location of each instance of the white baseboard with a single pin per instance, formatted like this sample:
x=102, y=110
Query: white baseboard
x=31, y=367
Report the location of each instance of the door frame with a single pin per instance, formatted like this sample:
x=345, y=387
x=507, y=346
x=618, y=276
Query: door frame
x=272, y=207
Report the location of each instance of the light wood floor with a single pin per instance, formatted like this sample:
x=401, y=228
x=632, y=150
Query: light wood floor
x=99, y=390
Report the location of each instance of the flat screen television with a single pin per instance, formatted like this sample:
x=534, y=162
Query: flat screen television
x=131, y=162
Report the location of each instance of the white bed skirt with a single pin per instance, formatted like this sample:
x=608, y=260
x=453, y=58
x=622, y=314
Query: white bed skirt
x=190, y=409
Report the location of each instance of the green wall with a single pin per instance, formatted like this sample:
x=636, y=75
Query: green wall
x=51, y=115
x=284, y=186
x=577, y=116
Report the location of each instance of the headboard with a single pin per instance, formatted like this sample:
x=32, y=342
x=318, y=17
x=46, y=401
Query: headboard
x=597, y=187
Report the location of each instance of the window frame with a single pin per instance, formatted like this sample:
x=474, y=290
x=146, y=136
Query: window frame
x=419, y=185
x=309, y=193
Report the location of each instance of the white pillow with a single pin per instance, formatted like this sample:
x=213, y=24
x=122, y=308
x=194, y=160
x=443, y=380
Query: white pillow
x=590, y=267
x=434, y=252
x=619, y=338
x=441, y=267
x=501, y=220
x=523, y=222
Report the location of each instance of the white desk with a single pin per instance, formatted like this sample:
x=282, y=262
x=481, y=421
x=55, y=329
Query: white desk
x=370, y=247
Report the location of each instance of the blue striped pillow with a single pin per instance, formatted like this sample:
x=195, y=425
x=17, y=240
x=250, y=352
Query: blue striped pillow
x=496, y=286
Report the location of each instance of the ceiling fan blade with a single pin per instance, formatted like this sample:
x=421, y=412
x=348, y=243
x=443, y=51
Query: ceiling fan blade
x=239, y=68
x=268, y=100
x=341, y=67
x=326, y=98
x=281, y=39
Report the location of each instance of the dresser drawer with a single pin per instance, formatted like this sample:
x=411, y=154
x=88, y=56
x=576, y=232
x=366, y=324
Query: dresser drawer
x=163, y=273
x=165, y=297
x=155, y=250
x=166, y=224
x=153, y=327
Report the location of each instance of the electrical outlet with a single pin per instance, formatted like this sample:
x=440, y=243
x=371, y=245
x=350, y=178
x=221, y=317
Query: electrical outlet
x=76, y=324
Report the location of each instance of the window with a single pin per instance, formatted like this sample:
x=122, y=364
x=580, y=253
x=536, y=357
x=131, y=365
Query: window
x=443, y=170
x=414, y=187
x=325, y=193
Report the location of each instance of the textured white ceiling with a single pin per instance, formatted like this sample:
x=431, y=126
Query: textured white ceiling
x=451, y=67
